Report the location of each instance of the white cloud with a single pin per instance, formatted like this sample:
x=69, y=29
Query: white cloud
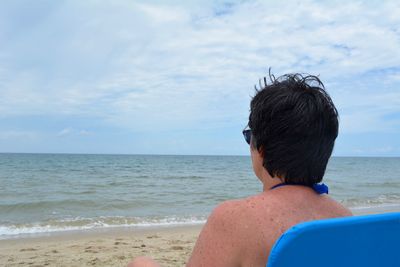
x=71, y=131
x=361, y=113
x=65, y=132
x=157, y=66
x=84, y=132
x=163, y=13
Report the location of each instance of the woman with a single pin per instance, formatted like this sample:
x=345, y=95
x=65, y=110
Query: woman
x=293, y=125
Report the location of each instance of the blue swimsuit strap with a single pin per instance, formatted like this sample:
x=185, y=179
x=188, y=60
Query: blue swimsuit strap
x=318, y=188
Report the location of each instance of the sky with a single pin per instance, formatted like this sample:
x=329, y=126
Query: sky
x=176, y=77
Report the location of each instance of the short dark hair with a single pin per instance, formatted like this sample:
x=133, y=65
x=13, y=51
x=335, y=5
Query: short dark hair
x=294, y=124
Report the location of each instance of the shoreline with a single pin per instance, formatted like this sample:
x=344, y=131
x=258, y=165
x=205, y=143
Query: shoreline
x=99, y=233
x=106, y=231
x=169, y=245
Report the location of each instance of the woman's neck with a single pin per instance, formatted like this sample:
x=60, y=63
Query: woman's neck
x=269, y=182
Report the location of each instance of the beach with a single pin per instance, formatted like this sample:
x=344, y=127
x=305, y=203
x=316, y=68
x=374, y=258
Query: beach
x=171, y=246
x=104, y=210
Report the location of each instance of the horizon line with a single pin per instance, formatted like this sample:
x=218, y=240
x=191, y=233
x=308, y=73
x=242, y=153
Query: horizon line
x=208, y=155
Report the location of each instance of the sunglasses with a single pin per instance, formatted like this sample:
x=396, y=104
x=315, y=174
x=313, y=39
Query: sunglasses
x=247, y=136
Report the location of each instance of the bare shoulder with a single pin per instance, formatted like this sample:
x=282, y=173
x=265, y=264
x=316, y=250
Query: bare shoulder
x=338, y=209
x=221, y=240
x=230, y=216
x=250, y=219
x=229, y=209
x=240, y=212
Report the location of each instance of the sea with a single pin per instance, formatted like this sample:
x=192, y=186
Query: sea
x=43, y=194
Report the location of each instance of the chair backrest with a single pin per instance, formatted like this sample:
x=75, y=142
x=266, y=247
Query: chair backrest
x=371, y=240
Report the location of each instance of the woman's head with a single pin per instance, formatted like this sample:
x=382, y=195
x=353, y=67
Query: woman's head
x=294, y=124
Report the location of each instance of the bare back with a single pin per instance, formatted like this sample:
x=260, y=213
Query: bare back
x=249, y=227
x=275, y=211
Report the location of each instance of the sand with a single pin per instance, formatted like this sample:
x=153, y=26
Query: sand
x=170, y=246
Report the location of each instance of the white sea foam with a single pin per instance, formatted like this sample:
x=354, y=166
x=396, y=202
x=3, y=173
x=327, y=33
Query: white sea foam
x=372, y=202
x=81, y=224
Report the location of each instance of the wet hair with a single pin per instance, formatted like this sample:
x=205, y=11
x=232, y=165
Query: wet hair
x=294, y=124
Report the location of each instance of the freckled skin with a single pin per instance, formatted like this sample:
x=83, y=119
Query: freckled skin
x=241, y=233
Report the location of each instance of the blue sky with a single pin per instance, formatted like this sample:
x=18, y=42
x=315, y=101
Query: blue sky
x=176, y=77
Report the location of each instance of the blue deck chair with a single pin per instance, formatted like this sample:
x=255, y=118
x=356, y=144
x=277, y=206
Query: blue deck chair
x=371, y=240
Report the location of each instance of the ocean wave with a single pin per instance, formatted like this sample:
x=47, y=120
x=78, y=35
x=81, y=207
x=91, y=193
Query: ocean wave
x=366, y=202
x=8, y=231
x=70, y=204
x=46, y=204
